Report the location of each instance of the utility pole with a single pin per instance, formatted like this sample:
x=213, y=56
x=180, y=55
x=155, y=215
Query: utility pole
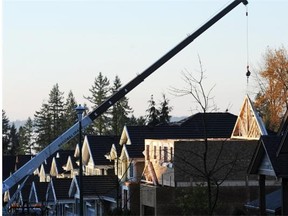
x=79, y=109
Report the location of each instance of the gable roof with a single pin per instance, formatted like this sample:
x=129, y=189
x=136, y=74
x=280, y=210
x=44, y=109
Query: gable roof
x=265, y=159
x=249, y=125
x=115, y=150
x=98, y=146
x=46, y=165
x=60, y=160
x=71, y=164
x=38, y=191
x=60, y=188
x=134, y=151
x=98, y=185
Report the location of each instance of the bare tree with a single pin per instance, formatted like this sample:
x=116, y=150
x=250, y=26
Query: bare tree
x=194, y=87
x=208, y=162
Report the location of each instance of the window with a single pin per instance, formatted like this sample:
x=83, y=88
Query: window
x=171, y=154
x=147, y=152
x=131, y=167
x=165, y=154
x=125, y=199
x=155, y=153
x=160, y=153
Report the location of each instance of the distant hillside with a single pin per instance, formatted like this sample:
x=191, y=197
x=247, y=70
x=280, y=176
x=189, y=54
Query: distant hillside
x=19, y=123
x=177, y=118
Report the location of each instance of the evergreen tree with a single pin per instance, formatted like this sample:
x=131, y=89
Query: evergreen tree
x=120, y=110
x=133, y=121
x=14, y=141
x=49, y=121
x=71, y=118
x=56, y=108
x=99, y=91
x=141, y=121
x=43, y=129
x=5, y=133
x=26, y=139
x=164, y=116
x=153, y=113
x=70, y=113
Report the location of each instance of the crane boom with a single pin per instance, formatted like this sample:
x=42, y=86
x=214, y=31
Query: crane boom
x=35, y=162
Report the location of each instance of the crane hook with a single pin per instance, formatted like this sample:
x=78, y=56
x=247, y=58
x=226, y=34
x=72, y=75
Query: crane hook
x=248, y=73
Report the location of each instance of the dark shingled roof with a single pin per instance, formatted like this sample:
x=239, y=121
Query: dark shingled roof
x=13, y=163
x=21, y=160
x=61, y=187
x=135, y=151
x=217, y=125
x=100, y=185
x=62, y=159
x=280, y=163
x=101, y=145
x=41, y=189
x=47, y=163
x=25, y=191
x=269, y=145
x=212, y=119
x=8, y=165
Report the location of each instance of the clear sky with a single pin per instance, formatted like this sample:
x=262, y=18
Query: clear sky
x=70, y=42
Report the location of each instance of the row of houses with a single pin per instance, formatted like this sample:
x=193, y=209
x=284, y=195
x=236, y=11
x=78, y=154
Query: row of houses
x=154, y=170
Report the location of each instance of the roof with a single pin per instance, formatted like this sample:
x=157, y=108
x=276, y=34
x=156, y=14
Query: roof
x=48, y=162
x=135, y=151
x=62, y=158
x=98, y=185
x=41, y=189
x=217, y=125
x=12, y=163
x=99, y=146
x=61, y=187
x=212, y=119
x=267, y=147
x=8, y=165
x=21, y=160
x=211, y=125
x=273, y=202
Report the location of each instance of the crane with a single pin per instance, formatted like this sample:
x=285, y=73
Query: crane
x=36, y=161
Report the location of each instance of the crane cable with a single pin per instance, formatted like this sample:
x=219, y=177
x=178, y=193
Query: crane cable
x=248, y=73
